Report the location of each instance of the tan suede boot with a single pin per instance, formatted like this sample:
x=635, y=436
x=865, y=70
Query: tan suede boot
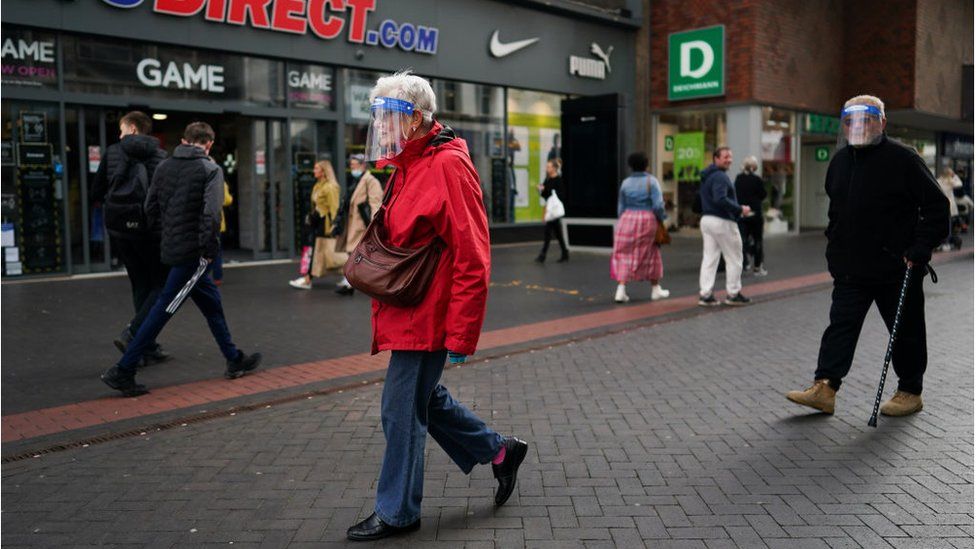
x=902, y=404
x=819, y=396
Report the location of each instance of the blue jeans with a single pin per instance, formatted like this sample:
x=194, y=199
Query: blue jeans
x=414, y=403
x=205, y=295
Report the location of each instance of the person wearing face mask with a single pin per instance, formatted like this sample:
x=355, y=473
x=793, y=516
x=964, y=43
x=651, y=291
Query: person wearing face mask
x=886, y=214
x=433, y=197
x=356, y=211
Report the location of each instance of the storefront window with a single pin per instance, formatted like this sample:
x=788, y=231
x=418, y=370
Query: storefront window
x=534, y=137
x=922, y=141
x=31, y=189
x=684, y=145
x=310, y=86
x=476, y=113
x=98, y=65
x=779, y=169
x=29, y=59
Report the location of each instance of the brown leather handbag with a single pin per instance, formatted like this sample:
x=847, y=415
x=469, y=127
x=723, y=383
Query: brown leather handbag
x=391, y=274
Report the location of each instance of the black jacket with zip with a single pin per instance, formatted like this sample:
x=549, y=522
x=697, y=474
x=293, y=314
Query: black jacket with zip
x=184, y=203
x=885, y=206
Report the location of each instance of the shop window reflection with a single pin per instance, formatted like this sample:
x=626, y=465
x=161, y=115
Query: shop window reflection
x=778, y=169
x=697, y=134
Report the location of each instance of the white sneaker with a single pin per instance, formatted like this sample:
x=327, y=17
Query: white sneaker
x=760, y=271
x=657, y=292
x=301, y=283
x=621, y=296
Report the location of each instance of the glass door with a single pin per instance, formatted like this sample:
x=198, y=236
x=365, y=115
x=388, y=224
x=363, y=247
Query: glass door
x=262, y=189
x=310, y=141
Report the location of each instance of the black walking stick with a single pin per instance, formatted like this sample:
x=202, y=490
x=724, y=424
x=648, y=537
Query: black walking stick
x=873, y=422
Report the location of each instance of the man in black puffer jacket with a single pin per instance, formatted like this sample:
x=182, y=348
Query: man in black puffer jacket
x=184, y=205
x=886, y=214
x=136, y=246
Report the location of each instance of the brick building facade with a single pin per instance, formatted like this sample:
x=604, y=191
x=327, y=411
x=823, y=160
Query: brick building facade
x=788, y=67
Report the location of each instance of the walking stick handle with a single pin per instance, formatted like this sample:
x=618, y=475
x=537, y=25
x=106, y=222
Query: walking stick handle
x=873, y=421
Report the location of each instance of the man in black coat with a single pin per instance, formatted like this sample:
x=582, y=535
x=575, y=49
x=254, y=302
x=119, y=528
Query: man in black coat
x=136, y=246
x=184, y=205
x=886, y=214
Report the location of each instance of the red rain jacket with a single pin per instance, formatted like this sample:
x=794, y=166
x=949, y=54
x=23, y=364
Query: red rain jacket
x=437, y=193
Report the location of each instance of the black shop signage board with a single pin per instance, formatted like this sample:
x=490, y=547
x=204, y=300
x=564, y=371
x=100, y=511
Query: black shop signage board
x=34, y=154
x=33, y=127
x=40, y=226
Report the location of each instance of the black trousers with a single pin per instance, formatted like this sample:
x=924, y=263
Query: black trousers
x=751, y=229
x=553, y=228
x=851, y=302
x=146, y=272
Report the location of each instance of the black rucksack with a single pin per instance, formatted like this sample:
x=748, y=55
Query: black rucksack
x=124, y=203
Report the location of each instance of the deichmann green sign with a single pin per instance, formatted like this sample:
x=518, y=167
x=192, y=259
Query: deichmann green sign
x=689, y=156
x=668, y=143
x=696, y=63
x=822, y=154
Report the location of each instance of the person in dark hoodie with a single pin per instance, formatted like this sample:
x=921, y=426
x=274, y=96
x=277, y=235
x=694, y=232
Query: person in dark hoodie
x=121, y=184
x=886, y=215
x=751, y=191
x=183, y=205
x=720, y=232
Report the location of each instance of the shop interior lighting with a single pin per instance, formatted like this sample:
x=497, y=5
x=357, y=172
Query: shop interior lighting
x=159, y=116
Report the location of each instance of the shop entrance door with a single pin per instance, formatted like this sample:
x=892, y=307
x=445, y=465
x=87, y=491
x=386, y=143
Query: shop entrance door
x=814, y=159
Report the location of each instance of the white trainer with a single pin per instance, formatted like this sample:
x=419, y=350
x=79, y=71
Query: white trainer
x=621, y=296
x=301, y=283
x=657, y=292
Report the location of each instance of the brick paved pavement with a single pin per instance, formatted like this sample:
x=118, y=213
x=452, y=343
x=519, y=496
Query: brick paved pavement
x=643, y=438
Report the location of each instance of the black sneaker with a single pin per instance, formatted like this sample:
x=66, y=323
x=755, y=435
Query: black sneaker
x=243, y=365
x=563, y=258
x=507, y=471
x=122, y=341
x=540, y=258
x=737, y=299
x=707, y=301
x=124, y=382
x=345, y=290
x=155, y=355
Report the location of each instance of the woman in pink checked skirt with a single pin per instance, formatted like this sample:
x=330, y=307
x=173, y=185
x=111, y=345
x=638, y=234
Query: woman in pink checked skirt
x=635, y=255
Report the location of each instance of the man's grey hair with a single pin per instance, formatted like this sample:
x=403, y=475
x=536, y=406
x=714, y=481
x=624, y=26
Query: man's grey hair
x=866, y=100
x=403, y=85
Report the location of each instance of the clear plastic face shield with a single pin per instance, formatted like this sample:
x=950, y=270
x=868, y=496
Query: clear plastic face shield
x=860, y=126
x=388, y=127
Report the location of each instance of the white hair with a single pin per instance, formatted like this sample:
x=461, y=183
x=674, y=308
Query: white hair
x=750, y=164
x=403, y=85
x=866, y=100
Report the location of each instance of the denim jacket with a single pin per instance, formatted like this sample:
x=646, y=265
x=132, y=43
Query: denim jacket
x=634, y=195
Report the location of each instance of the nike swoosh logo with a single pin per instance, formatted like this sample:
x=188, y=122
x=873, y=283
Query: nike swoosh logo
x=498, y=49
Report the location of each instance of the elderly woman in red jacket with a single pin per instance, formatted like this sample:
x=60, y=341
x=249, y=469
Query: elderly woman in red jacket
x=435, y=194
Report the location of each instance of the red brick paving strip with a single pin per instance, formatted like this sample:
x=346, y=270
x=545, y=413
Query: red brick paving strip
x=109, y=409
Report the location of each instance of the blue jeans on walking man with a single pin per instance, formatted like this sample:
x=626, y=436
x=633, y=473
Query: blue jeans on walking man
x=205, y=295
x=415, y=403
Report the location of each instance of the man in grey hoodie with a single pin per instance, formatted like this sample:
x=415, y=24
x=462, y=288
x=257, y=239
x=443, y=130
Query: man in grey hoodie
x=720, y=232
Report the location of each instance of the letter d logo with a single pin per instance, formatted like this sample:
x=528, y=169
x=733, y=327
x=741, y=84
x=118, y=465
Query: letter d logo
x=123, y=3
x=708, y=58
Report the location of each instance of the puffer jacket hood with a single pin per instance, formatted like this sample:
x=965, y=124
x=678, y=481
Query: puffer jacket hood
x=140, y=147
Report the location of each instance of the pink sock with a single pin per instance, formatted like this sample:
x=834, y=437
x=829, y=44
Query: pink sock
x=500, y=457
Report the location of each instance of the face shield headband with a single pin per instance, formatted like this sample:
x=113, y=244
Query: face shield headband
x=387, y=133
x=861, y=125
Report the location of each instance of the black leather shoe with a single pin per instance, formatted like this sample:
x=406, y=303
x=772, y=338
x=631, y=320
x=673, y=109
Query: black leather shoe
x=507, y=471
x=241, y=366
x=374, y=528
x=124, y=382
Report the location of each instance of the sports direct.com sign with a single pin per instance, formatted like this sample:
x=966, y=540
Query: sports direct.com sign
x=326, y=19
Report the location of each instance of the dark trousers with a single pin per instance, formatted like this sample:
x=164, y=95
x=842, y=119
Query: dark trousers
x=204, y=294
x=851, y=302
x=751, y=229
x=146, y=273
x=553, y=228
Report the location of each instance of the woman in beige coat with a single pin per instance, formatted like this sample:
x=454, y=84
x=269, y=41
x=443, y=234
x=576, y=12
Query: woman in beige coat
x=325, y=203
x=363, y=203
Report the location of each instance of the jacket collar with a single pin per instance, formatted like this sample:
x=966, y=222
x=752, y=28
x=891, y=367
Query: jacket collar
x=188, y=151
x=413, y=149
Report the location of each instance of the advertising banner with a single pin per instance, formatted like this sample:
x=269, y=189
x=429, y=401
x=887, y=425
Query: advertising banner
x=689, y=156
